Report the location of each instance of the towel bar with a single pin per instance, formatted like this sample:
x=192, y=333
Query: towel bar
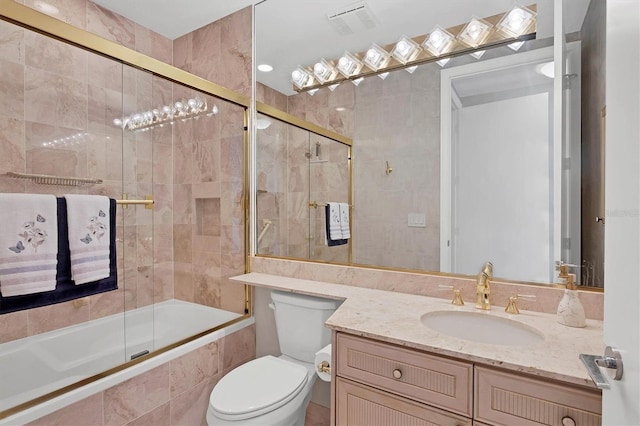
x=54, y=180
x=316, y=204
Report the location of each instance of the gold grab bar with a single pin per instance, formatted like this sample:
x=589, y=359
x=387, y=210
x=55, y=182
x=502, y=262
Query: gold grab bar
x=147, y=202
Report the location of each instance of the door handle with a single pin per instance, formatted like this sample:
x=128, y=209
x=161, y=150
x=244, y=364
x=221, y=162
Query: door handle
x=611, y=361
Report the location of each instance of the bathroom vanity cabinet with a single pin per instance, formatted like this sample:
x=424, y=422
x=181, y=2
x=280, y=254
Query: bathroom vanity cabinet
x=377, y=383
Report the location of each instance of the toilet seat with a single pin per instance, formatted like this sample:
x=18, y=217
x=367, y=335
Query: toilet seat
x=257, y=387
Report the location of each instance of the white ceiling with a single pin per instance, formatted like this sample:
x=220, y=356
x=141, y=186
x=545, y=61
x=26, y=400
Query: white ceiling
x=291, y=33
x=174, y=18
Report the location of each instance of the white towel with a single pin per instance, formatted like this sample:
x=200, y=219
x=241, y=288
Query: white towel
x=335, y=231
x=28, y=243
x=89, y=236
x=344, y=221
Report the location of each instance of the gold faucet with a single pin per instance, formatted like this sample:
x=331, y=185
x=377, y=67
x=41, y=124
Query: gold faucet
x=483, y=287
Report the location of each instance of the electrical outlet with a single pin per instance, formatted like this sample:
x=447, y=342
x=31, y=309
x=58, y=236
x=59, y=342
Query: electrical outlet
x=417, y=220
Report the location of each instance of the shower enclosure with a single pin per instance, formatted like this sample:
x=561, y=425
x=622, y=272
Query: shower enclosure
x=170, y=148
x=301, y=167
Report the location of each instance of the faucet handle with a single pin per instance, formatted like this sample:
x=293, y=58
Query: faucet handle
x=457, y=296
x=512, y=307
x=563, y=268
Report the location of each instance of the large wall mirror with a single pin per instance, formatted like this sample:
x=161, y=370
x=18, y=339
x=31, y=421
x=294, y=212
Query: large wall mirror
x=465, y=150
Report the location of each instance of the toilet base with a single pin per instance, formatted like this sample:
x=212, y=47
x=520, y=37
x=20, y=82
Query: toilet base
x=293, y=413
x=274, y=418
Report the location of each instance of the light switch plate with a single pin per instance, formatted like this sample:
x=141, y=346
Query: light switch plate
x=417, y=220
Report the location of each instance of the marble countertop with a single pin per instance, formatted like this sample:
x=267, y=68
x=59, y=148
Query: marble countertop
x=395, y=318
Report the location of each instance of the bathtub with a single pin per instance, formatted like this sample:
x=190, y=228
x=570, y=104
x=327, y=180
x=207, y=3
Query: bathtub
x=35, y=366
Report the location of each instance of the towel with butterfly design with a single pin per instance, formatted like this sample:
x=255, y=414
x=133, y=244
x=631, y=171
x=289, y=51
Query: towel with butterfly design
x=28, y=243
x=89, y=236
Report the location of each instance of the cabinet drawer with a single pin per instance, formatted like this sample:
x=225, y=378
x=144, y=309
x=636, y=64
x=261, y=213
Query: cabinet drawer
x=507, y=399
x=436, y=381
x=360, y=405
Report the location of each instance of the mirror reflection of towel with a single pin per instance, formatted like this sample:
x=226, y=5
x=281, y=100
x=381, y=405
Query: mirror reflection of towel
x=333, y=219
x=344, y=221
x=332, y=214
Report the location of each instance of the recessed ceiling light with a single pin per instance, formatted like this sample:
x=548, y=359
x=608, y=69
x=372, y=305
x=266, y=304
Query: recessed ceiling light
x=46, y=7
x=263, y=123
x=265, y=68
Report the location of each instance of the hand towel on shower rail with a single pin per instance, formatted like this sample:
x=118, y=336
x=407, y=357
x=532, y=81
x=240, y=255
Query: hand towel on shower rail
x=329, y=217
x=333, y=218
x=344, y=221
x=89, y=236
x=28, y=243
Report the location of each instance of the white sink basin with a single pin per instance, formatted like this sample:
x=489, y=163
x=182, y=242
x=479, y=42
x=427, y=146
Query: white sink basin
x=482, y=327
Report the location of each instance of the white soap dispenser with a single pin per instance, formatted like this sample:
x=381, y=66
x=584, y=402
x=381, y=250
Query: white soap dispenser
x=570, y=309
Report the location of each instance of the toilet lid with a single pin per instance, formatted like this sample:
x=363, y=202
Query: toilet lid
x=257, y=387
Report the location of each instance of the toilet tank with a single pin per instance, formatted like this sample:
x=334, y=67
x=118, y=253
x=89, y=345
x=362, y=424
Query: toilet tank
x=300, y=323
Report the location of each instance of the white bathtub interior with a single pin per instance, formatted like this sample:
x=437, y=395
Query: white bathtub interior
x=34, y=366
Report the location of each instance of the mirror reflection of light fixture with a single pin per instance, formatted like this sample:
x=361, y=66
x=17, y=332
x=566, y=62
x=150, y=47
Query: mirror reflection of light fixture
x=167, y=114
x=515, y=46
x=478, y=53
x=324, y=71
x=517, y=21
x=440, y=41
x=474, y=37
x=406, y=50
x=348, y=65
x=475, y=32
x=376, y=57
x=301, y=78
x=265, y=68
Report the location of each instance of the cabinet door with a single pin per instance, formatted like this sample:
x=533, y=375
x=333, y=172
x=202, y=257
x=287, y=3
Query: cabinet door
x=508, y=399
x=359, y=405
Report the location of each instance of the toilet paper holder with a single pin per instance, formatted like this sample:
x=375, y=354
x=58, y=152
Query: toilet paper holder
x=324, y=367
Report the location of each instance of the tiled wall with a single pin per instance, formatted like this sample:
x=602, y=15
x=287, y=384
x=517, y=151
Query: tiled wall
x=209, y=168
x=219, y=52
x=56, y=114
x=173, y=394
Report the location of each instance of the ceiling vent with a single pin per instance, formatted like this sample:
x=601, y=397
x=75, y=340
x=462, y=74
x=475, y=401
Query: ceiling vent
x=352, y=18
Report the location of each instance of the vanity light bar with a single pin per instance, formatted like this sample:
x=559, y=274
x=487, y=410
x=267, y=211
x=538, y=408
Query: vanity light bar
x=511, y=28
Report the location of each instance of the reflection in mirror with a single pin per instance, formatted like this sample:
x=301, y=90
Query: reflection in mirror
x=454, y=163
x=298, y=173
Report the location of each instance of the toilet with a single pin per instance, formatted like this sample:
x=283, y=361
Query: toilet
x=276, y=390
